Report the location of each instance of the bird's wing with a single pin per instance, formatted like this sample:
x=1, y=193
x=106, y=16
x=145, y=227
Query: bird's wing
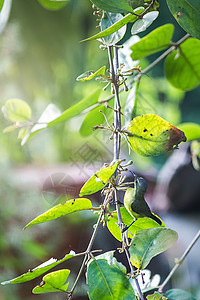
x=141, y=207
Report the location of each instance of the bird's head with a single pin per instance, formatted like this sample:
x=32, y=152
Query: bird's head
x=140, y=184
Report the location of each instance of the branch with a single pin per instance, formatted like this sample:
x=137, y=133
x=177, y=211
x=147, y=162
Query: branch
x=117, y=124
x=87, y=252
x=179, y=261
x=151, y=66
x=146, y=10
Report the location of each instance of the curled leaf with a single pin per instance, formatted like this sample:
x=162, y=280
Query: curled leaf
x=150, y=135
x=99, y=180
x=90, y=75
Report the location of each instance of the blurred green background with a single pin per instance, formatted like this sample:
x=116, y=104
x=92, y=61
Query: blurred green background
x=41, y=56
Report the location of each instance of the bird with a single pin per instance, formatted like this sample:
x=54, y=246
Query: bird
x=135, y=203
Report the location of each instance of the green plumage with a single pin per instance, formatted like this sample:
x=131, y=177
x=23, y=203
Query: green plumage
x=135, y=203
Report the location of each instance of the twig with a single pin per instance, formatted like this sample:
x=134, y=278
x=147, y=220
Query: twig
x=117, y=124
x=88, y=249
x=151, y=66
x=140, y=16
x=179, y=262
x=117, y=118
x=148, y=8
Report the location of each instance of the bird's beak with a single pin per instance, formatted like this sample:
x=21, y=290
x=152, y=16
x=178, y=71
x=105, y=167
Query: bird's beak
x=135, y=178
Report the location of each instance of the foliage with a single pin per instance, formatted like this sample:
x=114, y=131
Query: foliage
x=146, y=134
x=184, y=62
x=155, y=41
x=53, y=5
x=150, y=135
x=107, y=281
x=39, y=270
x=187, y=15
x=60, y=210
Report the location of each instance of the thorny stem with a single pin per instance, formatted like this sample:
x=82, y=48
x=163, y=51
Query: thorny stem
x=152, y=65
x=146, y=10
x=88, y=249
x=117, y=124
x=117, y=109
x=179, y=261
x=117, y=112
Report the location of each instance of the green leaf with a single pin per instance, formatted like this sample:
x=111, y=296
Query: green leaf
x=155, y=41
x=99, y=180
x=156, y=296
x=1, y=4
x=191, y=130
x=53, y=5
x=111, y=260
x=77, y=108
x=70, y=206
x=50, y=113
x=93, y=118
x=148, y=243
x=150, y=135
x=108, y=282
x=39, y=270
x=10, y=128
x=108, y=20
x=187, y=14
x=128, y=18
x=142, y=24
x=114, y=6
x=22, y=133
x=51, y=116
x=53, y=282
x=90, y=75
x=177, y=294
x=139, y=224
x=135, y=3
x=182, y=66
x=16, y=110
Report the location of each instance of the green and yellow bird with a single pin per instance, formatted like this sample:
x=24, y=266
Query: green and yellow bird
x=135, y=203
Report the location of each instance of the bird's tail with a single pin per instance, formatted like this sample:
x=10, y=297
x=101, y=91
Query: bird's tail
x=156, y=219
